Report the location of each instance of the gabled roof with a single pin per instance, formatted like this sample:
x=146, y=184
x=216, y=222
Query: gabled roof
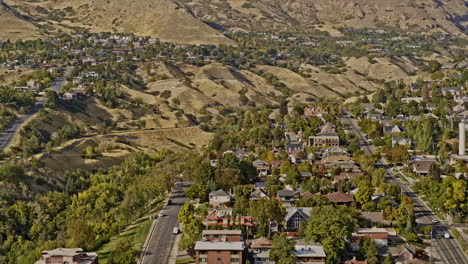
x=69, y=252
x=261, y=242
x=259, y=193
x=302, y=211
x=339, y=197
x=219, y=192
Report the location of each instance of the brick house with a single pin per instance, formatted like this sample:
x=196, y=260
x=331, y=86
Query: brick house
x=378, y=235
x=215, y=252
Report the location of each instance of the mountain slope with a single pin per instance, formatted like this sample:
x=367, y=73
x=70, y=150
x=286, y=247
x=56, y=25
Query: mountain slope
x=13, y=26
x=417, y=15
x=164, y=19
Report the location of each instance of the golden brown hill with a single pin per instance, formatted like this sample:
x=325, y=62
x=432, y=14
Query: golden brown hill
x=415, y=15
x=162, y=19
x=13, y=26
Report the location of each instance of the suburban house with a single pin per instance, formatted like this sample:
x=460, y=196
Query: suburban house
x=287, y=197
x=340, y=198
x=402, y=141
x=453, y=91
x=67, y=255
x=262, y=167
x=326, y=137
x=219, y=198
x=350, y=176
x=209, y=252
x=222, y=235
x=378, y=235
x=228, y=221
x=260, y=250
x=422, y=167
x=403, y=254
x=391, y=129
x=338, y=161
x=306, y=175
x=240, y=153
x=313, y=111
x=295, y=216
x=309, y=254
x=258, y=193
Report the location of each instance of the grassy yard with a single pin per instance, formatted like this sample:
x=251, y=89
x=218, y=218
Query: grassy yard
x=136, y=232
x=463, y=243
x=185, y=261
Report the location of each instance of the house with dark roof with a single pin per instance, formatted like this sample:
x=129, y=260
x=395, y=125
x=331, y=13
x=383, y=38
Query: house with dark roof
x=404, y=254
x=295, y=216
x=391, y=129
x=422, y=167
x=287, y=197
x=340, y=198
x=262, y=167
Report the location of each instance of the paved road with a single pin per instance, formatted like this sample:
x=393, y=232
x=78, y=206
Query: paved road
x=448, y=249
x=6, y=137
x=161, y=240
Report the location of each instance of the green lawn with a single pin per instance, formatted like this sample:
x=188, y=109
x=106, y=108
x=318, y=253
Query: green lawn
x=137, y=233
x=185, y=261
x=460, y=239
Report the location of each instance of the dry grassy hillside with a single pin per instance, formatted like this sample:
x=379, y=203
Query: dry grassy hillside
x=418, y=15
x=163, y=19
x=14, y=27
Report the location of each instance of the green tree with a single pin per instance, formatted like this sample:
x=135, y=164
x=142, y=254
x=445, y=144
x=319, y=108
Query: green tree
x=124, y=253
x=196, y=191
x=51, y=99
x=282, y=249
x=332, y=227
x=365, y=192
x=389, y=259
x=186, y=213
x=266, y=210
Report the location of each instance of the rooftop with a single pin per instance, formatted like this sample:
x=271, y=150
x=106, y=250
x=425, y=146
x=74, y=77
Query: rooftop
x=309, y=251
x=221, y=232
x=207, y=245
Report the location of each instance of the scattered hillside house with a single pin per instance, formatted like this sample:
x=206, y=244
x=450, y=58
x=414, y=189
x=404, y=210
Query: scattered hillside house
x=409, y=99
x=422, y=167
x=378, y=235
x=403, y=254
x=70, y=96
x=309, y=254
x=295, y=216
x=261, y=166
x=355, y=261
x=258, y=193
x=374, y=116
x=453, y=91
x=220, y=212
x=207, y=252
x=241, y=154
x=67, y=255
x=287, y=197
x=314, y=111
x=330, y=151
x=326, y=137
x=306, y=175
x=293, y=145
x=402, y=141
x=460, y=99
x=340, y=198
x=391, y=129
x=219, y=198
x=260, y=250
x=222, y=235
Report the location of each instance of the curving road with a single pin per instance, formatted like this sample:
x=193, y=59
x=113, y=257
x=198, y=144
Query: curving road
x=448, y=249
x=162, y=239
x=6, y=137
